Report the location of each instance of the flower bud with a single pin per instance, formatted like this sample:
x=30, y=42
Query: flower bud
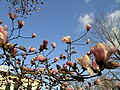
x=53, y=44
x=20, y=23
x=12, y=16
x=97, y=82
x=88, y=41
x=34, y=35
x=65, y=66
x=62, y=56
x=56, y=59
x=88, y=26
x=41, y=48
x=66, y=39
x=31, y=49
x=40, y=58
x=45, y=42
x=1, y=22
x=32, y=61
x=70, y=63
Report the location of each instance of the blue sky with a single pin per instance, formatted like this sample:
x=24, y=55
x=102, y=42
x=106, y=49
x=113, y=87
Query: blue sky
x=58, y=18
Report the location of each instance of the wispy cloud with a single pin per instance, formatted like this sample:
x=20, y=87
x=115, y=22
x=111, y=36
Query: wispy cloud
x=84, y=20
x=114, y=15
x=87, y=1
x=117, y=1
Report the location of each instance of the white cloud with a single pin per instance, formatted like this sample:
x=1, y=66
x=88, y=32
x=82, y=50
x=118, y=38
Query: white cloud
x=114, y=18
x=117, y=1
x=87, y=1
x=86, y=19
x=114, y=15
x=83, y=21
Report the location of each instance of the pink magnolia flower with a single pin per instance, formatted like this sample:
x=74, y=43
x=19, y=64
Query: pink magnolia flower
x=40, y=58
x=3, y=35
x=69, y=88
x=66, y=39
x=84, y=61
x=95, y=66
x=102, y=52
x=70, y=63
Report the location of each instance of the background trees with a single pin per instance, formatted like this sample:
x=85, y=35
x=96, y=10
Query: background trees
x=36, y=65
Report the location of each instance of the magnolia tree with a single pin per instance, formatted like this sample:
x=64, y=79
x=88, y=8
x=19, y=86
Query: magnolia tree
x=40, y=66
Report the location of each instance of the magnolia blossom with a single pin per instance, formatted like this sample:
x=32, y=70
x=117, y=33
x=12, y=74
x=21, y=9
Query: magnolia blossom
x=102, y=52
x=70, y=63
x=53, y=44
x=62, y=56
x=69, y=88
x=88, y=26
x=45, y=42
x=20, y=23
x=12, y=15
x=3, y=35
x=66, y=39
x=84, y=61
x=56, y=59
x=95, y=66
x=1, y=22
x=88, y=41
x=97, y=82
x=31, y=49
x=34, y=35
x=40, y=70
x=40, y=58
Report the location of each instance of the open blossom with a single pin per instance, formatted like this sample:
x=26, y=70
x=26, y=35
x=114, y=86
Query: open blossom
x=40, y=58
x=84, y=61
x=95, y=66
x=66, y=39
x=3, y=35
x=102, y=52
